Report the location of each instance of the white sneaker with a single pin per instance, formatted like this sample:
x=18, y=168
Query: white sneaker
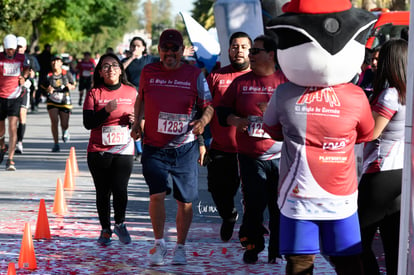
x=158, y=253
x=19, y=148
x=179, y=255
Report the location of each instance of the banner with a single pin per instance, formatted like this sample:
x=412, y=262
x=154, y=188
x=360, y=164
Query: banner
x=206, y=47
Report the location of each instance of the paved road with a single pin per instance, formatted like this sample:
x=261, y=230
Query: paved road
x=73, y=249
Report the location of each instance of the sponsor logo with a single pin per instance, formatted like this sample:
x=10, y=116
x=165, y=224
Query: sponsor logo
x=334, y=146
x=314, y=94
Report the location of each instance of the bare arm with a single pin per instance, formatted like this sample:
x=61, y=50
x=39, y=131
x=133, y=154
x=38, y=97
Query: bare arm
x=380, y=124
x=199, y=124
x=136, y=131
x=242, y=124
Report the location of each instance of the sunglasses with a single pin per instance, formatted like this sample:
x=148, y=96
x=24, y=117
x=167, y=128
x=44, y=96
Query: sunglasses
x=174, y=48
x=254, y=51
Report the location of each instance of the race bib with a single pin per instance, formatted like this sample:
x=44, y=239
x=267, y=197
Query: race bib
x=56, y=97
x=256, y=127
x=172, y=124
x=86, y=73
x=115, y=135
x=11, y=69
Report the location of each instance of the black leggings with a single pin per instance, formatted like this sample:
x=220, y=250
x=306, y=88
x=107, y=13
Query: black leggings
x=110, y=174
x=379, y=202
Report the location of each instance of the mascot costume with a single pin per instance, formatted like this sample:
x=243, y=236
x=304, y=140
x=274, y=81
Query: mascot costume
x=320, y=116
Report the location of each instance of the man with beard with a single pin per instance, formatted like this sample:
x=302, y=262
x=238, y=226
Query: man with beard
x=171, y=96
x=223, y=171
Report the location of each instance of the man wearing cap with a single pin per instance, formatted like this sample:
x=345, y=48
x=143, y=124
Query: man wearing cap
x=174, y=94
x=27, y=90
x=11, y=70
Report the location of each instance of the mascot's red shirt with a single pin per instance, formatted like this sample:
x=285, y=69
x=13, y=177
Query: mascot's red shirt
x=319, y=127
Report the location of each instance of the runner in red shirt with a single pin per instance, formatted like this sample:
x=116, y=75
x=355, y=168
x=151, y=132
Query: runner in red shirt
x=108, y=113
x=85, y=71
x=12, y=73
x=223, y=169
x=243, y=106
x=172, y=95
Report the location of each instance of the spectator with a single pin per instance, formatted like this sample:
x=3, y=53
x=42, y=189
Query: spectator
x=133, y=67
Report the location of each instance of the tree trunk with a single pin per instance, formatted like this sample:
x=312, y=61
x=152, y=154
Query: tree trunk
x=34, y=39
x=399, y=5
x=368, y=4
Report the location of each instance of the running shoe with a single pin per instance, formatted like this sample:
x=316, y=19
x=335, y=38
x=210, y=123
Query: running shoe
x=19, y=148
x=227, y=227
x=66, y=136
x=122, y=233
x=105, y=237
x=250, y=256
x=10, y=165
x=158, y=254
x=3, y=151
x=179, y=257
x=56, y=148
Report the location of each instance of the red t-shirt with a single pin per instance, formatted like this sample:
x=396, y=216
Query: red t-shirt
x=243, y=96
x=224, y=138
x=172, y=99
x=85, y=68
x=10, y=70
x=98, y=98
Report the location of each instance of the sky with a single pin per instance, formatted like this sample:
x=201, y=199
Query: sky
x=182, y=5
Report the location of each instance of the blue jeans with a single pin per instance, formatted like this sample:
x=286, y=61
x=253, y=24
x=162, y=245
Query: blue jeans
x=172, y=169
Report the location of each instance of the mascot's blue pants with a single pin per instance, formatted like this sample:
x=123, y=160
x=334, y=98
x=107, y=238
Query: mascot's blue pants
x=337, y=237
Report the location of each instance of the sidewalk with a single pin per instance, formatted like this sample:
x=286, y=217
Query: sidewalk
x=73, y=248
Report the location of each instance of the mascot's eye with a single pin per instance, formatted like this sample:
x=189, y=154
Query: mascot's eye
x=331, y=25
x=291, y=38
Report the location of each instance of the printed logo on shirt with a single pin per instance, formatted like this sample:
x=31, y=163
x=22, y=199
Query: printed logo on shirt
x=314, y=94
x=334, y=150
x=334, y=145
x=257, y=90
x=225, y=82
x=313, y=100
x=170, y=83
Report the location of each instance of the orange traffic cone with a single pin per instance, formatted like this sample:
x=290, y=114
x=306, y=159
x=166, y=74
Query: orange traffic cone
x=68, y=183
x=11, y=270
x=42, y=226
x=74, y=162
x=27, y=257
x=59, y=205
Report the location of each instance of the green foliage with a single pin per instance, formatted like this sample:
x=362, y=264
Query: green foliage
x=203, y=13
x=75, y=25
